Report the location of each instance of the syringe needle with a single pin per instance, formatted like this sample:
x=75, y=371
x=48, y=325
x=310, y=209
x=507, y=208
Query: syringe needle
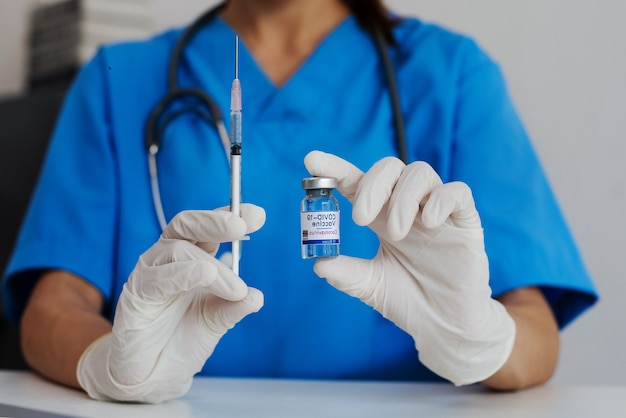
x=237, y=57
x=235, y=153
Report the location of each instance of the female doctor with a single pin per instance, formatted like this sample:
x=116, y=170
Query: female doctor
x=427, y=288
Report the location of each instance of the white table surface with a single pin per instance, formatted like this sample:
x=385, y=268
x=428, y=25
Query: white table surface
x=219, y=397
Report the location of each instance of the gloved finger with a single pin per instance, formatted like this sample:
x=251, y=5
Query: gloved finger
x=417, y=181
x=254, y=217
x=452, y=200
x=183, y=267
x=221, y=315
x=208, y=226
x=354, y=276
x=375, y=189
x=322, y=164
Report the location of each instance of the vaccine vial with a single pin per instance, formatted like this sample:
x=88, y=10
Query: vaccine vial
x=319, y=218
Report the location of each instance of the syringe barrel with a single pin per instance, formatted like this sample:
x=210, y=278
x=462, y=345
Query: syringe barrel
x=235, y=129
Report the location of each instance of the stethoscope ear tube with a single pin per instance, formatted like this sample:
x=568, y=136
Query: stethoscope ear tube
x=158, y=120
x=392, y=85
x=172, y=82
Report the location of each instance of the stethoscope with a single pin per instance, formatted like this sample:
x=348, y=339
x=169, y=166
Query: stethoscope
x=203, y=105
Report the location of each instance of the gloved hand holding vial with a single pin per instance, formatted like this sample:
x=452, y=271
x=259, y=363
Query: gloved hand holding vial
x=430, y=276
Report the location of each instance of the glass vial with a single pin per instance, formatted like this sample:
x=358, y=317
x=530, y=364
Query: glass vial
x=319, y=218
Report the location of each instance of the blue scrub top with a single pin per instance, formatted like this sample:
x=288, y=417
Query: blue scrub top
x=92, y=212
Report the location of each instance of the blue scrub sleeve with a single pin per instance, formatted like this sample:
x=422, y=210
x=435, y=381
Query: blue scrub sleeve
x=526, y=237
x=70, y=223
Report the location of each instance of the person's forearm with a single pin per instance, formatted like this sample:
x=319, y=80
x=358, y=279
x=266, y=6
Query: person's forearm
x=61, y=319
x=535, y=353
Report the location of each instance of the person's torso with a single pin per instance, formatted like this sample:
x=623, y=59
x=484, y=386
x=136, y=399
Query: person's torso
x=336, y=102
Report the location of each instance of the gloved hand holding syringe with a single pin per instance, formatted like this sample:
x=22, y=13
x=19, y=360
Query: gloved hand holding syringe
x=179, y=300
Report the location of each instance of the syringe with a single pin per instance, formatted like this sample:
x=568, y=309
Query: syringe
x=235, y=153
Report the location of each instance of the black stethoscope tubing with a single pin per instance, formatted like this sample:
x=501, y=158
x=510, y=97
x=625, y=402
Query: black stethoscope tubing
x=209, y=111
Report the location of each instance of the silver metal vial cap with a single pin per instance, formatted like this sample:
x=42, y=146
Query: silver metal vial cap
x=319, y=183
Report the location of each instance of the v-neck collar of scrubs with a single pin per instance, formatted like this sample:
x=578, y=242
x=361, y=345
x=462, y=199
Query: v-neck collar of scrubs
x=327, y=69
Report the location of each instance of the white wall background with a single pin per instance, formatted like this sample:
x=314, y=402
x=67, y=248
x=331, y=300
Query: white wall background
x=565, y=61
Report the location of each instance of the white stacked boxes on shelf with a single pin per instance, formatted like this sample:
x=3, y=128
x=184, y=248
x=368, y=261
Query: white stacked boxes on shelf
x=66, y=33
x=107, y=21
x=53, y=43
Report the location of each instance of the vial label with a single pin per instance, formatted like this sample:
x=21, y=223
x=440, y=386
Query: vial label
x=320, y=234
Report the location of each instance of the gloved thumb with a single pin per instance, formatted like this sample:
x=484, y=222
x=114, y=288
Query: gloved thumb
x=354, y=276
x=220, y=315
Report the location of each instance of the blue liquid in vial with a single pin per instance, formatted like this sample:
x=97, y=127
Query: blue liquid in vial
x=320, y=236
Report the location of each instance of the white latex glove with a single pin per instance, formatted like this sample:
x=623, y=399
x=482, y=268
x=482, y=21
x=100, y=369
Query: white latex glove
x=176, y=305
x=430, y=276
